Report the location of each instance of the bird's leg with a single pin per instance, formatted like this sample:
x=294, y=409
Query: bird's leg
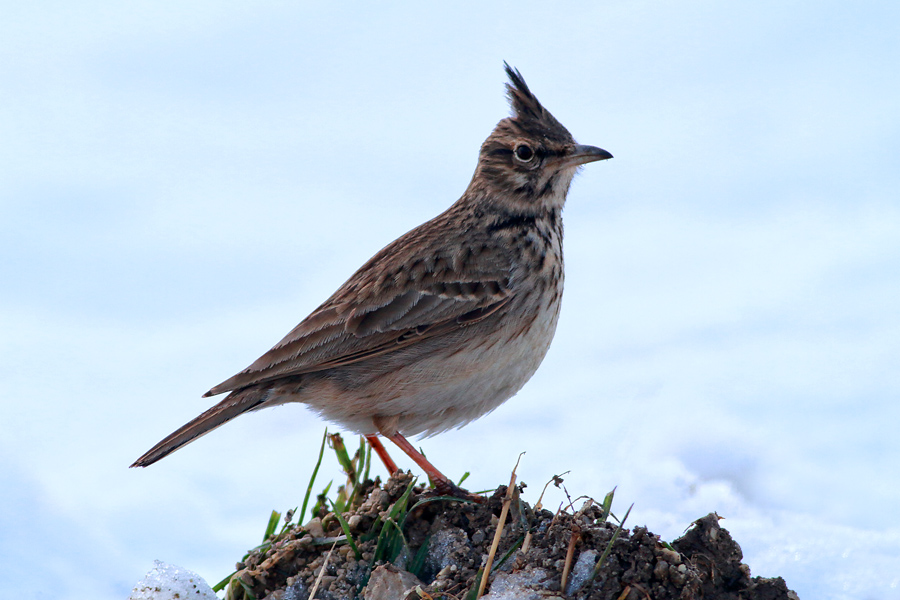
x=442, y=483
x=380, y=450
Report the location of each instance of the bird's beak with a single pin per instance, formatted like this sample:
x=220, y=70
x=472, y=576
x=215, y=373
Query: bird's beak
x=582, y=154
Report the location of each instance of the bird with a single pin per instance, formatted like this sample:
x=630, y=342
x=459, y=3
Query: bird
x=445, y=323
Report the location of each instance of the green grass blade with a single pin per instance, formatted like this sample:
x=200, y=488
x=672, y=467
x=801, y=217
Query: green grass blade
x=221, y=585
x=607, y=506
x=609, y=546
x=396, y=542
x=312, y=480
x=361, y=466
x=510, y=552
x=400, y=504
x=248, y=591
x=340, y=450
x=342, y=500
x=321, y=499
x=273, y=523
x=418, y=561
x=347, y=533
x=387, y=541
x=473, y=593
x=368, y=462
x=433, y=499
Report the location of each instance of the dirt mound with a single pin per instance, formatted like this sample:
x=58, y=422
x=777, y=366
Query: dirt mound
x=398, y=542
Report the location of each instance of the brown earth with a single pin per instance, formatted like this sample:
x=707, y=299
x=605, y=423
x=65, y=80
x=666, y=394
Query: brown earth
x=424, y=547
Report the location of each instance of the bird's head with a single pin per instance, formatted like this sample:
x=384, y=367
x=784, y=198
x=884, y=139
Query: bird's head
x=530, y=158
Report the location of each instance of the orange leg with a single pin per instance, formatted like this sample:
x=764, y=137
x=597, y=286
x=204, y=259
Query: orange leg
x=379, y=449
x=442, y=483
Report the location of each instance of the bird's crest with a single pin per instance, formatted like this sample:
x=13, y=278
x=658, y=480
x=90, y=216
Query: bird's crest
x=528, y=113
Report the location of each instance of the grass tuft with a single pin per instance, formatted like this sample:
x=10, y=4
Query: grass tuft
x=384, y=539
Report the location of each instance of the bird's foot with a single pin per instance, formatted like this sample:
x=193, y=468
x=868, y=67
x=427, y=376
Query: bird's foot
x=445, y=487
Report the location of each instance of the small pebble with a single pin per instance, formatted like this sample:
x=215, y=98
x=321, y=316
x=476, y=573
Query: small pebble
x=445, y=572
x=678, y=575
x=314, y=527
x=661, y=569
x=670, y=556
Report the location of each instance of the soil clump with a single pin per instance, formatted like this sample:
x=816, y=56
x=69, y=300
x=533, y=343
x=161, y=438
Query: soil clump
x=398, y=542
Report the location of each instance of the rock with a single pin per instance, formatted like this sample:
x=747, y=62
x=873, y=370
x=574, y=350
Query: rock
x=389, y=583
x=445, y=548
x=314, y=527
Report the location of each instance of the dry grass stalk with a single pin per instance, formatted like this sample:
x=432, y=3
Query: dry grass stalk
x=527, y=543
x=423, y=594
x=555, y=480
x=315, y=589
x=504, y=511
x=570, y=553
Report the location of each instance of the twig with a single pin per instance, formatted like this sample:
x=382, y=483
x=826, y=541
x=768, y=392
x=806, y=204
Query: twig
x=503, y=512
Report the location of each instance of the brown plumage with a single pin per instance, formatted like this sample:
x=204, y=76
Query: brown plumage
x=443, y=324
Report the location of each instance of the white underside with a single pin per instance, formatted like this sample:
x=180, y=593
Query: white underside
x=435, y=392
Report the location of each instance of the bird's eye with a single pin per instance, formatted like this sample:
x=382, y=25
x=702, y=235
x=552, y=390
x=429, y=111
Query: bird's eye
x=524, y=152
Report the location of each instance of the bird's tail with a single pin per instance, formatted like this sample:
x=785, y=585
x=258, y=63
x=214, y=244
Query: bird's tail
x=237, y=403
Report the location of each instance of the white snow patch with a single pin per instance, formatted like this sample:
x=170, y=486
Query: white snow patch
x=582, y=570
x=169, y=582
x=521, y=585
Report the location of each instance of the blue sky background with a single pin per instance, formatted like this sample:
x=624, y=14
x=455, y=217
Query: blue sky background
x=183, y=182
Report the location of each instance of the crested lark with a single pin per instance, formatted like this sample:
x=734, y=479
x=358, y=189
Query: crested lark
x=445, y=323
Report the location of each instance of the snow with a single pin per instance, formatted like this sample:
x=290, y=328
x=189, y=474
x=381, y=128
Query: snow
x=581, y=570
x=168, y=582
x=521, y=585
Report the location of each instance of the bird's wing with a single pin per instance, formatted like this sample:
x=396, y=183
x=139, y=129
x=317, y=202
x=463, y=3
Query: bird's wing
x=404, y=294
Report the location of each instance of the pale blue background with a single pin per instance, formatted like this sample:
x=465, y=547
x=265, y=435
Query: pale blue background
x=181, y=183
